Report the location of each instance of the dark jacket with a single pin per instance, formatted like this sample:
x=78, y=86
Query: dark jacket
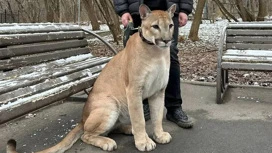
x=132, y=6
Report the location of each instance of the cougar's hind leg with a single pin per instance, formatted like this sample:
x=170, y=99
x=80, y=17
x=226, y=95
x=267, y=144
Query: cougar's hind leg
x=99, y=123
x=124, y=129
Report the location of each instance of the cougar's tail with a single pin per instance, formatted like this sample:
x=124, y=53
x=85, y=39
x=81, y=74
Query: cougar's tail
x=62, y=146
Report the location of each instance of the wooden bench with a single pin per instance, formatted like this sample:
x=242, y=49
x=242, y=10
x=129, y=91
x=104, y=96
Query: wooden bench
x=41, y=64
x=248, y=47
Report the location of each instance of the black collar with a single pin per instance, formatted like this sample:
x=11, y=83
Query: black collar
x=143, y=38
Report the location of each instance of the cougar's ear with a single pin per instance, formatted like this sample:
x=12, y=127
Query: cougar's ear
x=144, y=11
x=172, y=10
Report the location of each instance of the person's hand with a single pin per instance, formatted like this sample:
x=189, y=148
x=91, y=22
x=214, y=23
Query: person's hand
x=126, y=17
x=183, y=18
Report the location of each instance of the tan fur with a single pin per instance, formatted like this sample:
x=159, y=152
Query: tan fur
x=11, y=146
x=139, y=71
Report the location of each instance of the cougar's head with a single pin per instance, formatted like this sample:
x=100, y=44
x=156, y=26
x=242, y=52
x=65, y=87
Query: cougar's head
x=157, y=26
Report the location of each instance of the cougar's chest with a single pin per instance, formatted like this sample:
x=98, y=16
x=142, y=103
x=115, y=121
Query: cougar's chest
x=157, y=77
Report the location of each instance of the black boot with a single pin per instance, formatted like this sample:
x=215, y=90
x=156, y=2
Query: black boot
x=146, y=111
x=178, y=116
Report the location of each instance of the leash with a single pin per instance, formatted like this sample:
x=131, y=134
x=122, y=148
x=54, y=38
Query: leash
x=128, y=31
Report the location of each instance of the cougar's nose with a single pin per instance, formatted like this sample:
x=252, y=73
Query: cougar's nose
x=167, y=41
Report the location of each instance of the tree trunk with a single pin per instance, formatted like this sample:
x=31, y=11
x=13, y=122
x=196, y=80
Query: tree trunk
x=243, y=12
x=225, y=12
x=107, y=10
x=67, y=8
x=1, y=6
x=262, y=10
x=25, y=15
x=197, y=20
x=56, y=7
x=89, y=7
x=11, y=12
x=49, y=11
x=61, y=8
x=32, y=11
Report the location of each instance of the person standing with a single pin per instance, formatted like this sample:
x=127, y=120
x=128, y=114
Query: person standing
x=128, y=11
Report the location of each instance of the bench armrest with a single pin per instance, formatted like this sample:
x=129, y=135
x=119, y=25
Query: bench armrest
x=221, y=45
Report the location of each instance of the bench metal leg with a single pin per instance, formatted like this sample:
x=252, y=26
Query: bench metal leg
x=219, y=86
x=226, y=76
x=80, y=97
x=225, y=80
x=222, y=84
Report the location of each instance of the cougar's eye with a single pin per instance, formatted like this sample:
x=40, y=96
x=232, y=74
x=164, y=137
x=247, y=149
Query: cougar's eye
x=155, y=27
x=170, y=26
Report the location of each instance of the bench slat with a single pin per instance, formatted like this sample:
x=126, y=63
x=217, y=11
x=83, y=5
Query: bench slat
x=47, y=85
x=249, y=32
x=40, y=48
x=16, y=39
x=247, y=59
x=37, y=77
x=11, y=75
x=245, y=46
x=260, y=53
x=250, y=39
x=247, y=66
x=37, y=29
x=250, y=25
x=25, y=105
x=16, y=25
x=39, y=58
x=48, y=72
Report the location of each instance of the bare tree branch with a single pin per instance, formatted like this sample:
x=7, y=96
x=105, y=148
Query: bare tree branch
x=224, y=11
x=26, y=15
x=106, y=8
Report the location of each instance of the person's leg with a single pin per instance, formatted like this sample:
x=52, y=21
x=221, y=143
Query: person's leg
x=173, y=98
x=172, y=93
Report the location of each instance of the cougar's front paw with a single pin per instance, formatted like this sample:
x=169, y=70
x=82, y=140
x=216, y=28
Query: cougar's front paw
x=145, y=144
x=163, y=137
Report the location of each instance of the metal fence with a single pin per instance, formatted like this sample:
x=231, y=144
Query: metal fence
x=6, y=17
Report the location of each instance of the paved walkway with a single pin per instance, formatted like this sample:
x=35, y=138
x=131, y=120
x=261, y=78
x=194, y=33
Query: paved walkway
x=242, y=125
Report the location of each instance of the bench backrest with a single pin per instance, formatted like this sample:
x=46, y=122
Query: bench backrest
x=249, y=36
x=41, y=64
x=22, y=45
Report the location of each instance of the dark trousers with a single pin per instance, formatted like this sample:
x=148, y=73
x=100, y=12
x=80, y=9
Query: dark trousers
x=172, y=94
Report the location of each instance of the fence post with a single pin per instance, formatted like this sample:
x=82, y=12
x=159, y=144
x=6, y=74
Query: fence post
x=78, y=15
x=75, y=13
x=5, y=16
x=18, y=17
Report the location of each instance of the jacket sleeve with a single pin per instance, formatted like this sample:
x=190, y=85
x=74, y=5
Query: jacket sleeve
x=120, y=6
x=186, y=6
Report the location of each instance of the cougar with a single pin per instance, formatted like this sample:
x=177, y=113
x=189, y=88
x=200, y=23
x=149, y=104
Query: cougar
x=139, y=71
